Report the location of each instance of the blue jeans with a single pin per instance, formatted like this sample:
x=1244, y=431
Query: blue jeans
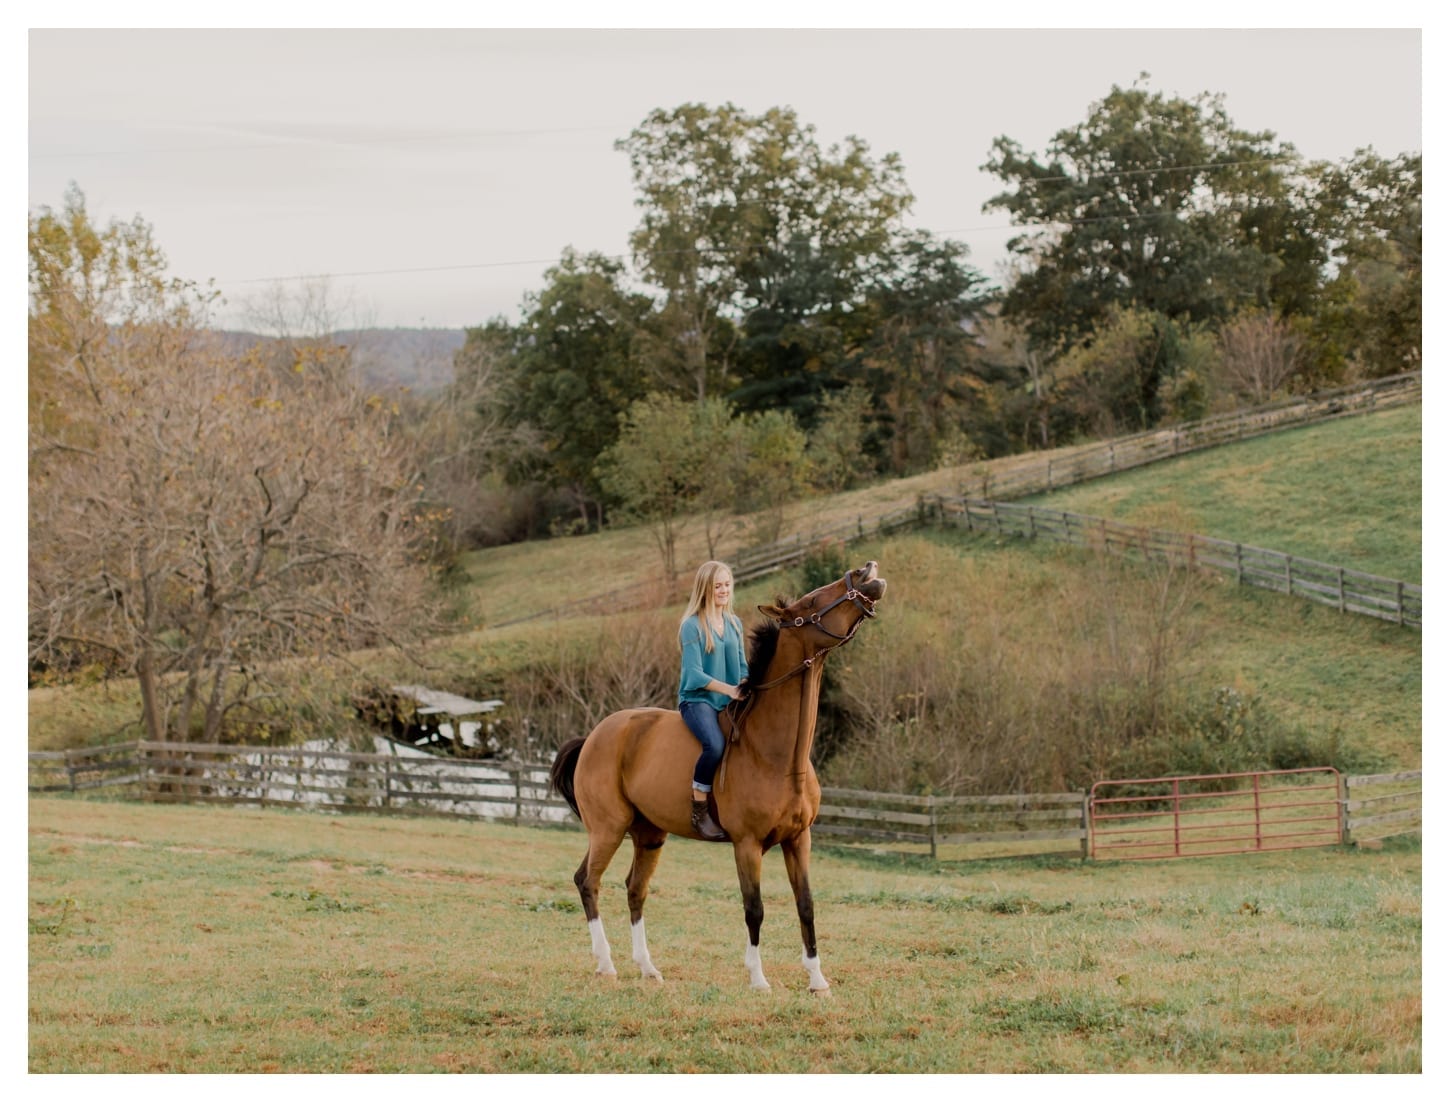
x=704, y=723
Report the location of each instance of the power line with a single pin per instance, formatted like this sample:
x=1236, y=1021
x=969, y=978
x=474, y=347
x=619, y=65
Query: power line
x=622, y=257
x=397, y=271
x=482, y=265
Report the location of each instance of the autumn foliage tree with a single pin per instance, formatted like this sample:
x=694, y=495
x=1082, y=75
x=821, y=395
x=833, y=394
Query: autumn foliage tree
x=196, y=516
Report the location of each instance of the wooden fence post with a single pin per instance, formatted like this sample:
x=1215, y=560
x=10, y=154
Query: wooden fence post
x=931, y=815
x=1086, y=821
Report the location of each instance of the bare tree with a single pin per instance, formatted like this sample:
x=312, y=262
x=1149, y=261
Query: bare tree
x=197, y=516
x=1259, y=353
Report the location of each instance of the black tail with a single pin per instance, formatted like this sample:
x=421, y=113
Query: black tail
x=561, y=773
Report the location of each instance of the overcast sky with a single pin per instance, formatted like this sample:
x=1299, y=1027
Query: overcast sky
x=433, y=175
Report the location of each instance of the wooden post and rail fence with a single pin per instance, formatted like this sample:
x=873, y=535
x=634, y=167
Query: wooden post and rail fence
x=983, y=501
x=1350, y=591
x=1120, y=819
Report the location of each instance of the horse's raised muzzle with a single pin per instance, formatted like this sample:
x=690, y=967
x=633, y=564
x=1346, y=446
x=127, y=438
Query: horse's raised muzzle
x=867, y=582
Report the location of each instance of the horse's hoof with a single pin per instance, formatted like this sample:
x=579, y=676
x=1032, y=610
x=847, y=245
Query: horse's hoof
x=821, y=992
x=603, y=975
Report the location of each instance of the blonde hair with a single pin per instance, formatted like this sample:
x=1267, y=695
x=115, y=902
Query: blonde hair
x=702, y=596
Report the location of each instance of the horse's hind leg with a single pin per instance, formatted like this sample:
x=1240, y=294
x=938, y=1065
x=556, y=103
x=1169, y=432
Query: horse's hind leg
x=797, y=854
x=648, y=845
x=591, y=871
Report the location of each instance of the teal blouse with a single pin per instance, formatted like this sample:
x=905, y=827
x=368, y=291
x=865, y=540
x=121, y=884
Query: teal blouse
x=726, y=663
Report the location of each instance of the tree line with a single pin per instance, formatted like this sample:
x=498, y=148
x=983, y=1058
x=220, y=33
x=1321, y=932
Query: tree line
x=1169, y=265
x=199, y=510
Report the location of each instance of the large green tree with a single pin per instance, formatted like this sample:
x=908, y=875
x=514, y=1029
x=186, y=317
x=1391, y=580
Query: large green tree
x=1370, y=212
x=922, y=357
x=576, y=367
x=1153, y=202
x=672, y=457
x=749, y=220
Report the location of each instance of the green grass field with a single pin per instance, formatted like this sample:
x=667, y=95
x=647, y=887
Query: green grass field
x=1346, y=493
x=181, y=939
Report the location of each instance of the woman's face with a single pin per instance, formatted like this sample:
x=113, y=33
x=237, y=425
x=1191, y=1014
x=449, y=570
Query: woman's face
x=724, y=588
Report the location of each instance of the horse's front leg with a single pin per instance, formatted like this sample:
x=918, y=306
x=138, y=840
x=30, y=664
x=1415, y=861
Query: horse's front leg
x=797, y=854
x=747, y=866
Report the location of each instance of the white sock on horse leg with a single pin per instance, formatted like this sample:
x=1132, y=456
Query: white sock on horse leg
x=752, y=962
x=600, y=944
x=813, y=966
x=641, y=952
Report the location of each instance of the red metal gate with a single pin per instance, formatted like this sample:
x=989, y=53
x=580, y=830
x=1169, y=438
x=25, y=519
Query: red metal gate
x=1214, y=814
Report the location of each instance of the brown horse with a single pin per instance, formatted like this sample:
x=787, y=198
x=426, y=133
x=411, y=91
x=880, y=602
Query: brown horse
x=631, y=775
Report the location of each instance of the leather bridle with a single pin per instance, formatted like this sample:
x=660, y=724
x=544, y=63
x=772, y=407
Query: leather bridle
x=852, y=594
x=814, y=620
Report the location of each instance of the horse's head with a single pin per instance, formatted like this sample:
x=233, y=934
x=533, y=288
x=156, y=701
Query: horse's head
x=835, y=610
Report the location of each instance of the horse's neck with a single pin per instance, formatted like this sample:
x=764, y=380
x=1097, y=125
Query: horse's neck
x=784, y=726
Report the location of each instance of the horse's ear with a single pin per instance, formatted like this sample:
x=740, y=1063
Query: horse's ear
x=775, y=612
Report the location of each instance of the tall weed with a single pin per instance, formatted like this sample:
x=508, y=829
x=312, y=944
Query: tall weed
x=999, y=676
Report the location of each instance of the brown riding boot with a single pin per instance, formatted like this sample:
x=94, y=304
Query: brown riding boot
x=701, y=823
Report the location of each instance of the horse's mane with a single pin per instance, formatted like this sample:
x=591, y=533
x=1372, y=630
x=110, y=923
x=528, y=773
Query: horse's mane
x=763, y=638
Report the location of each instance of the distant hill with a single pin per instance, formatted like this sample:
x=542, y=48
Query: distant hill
x=418, y=359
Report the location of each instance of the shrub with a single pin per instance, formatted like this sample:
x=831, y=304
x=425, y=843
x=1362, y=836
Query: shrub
x=824, y=563
x=1228, y=731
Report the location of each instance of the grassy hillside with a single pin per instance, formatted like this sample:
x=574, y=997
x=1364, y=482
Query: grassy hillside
x=1347, y=493
x=1353, y=677
x=504, y=583
x=219, y=940
x=984, y=613
x=974, y=614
